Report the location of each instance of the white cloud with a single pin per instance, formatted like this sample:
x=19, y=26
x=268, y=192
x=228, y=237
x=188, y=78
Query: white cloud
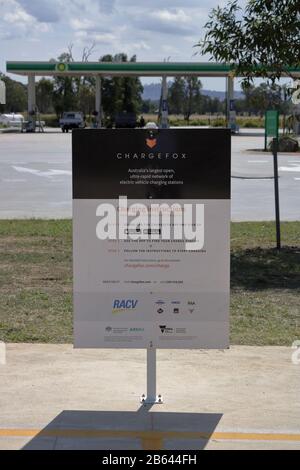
x=18, y=16
x=170, y=49
x=98, y=38
x=143, y=46
x=17, y=23
x=176, y=16
x=86, y=38
x=107, y=6
x=45, y=11
x=82, y=24
x=104, y=38
x=173, y=21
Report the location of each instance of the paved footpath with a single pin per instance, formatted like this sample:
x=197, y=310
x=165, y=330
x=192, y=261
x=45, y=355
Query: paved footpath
x=55, y=397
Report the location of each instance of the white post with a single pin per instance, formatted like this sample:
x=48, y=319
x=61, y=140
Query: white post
x=31, y=93
x=151, y=398
x=151, y=374
x=98, y=101
x=31, y=100
x=164, y=111
x=2, y=92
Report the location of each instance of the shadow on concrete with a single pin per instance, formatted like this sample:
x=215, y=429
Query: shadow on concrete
x=125, y=430
x=258, y=133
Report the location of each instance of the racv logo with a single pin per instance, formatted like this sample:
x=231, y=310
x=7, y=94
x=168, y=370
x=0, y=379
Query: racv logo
x=124, y=305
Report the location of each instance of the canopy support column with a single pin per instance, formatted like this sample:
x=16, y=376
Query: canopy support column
x=98, y=101
x=230, y=108
x=31, y=102
x=164, y=104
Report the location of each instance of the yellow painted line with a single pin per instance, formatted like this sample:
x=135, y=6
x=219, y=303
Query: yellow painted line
x=153, y=443
x=153, y=437
x=254, y=436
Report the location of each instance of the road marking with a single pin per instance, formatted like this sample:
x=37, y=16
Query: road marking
x=152, y=443
x=257, y=161
x=14, y=180
x=46, y=174
x=150, y=436
x=297, y=179
x=294, y=167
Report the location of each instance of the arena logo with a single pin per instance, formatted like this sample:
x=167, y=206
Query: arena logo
x=138, y=221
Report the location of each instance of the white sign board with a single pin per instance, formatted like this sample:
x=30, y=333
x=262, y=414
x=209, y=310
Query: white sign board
x=137, y=288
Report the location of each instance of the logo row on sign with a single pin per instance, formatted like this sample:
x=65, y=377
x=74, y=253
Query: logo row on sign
x=164, y=329
x=124, y=305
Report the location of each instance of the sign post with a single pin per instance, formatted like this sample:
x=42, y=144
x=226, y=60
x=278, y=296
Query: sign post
x=272, y=130
x=276, y=193
x=151, y=224
x=271, y=125
x=151, y=398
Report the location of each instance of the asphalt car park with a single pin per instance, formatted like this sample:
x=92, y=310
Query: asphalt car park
x=36, y=178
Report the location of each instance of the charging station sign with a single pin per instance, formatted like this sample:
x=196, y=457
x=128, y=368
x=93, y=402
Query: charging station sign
x=151, y=221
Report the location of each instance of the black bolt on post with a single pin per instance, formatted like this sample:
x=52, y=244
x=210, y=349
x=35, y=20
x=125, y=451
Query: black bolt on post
x=276, y=191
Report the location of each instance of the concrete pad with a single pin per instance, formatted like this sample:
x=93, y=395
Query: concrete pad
x=55, y=397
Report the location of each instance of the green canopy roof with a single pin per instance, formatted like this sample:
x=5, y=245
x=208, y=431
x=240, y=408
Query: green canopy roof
x=207, y=69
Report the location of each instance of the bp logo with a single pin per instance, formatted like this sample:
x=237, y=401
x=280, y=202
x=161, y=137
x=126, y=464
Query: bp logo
x=61, y=67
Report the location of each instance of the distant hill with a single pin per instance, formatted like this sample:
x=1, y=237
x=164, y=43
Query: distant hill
x=152, y=92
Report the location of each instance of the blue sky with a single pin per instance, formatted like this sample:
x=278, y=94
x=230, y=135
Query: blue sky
x=153, y=30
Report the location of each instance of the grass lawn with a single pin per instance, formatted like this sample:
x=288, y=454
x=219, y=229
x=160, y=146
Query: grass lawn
x=36, y=282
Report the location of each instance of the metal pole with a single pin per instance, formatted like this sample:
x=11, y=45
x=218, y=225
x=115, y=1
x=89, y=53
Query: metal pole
x=266, y=126
x=151, y=374
x=151, y=398
x=276, y=191
x=265, y=147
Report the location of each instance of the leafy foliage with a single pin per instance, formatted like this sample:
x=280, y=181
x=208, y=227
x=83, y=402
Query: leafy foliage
x=121, y=93
x=261, y=41
x=184, y=96
x=44, y=95
x=16, y=96
x=265, y=96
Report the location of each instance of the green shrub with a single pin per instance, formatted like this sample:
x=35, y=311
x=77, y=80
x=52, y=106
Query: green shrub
x=50, y=120
x=255, y=123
